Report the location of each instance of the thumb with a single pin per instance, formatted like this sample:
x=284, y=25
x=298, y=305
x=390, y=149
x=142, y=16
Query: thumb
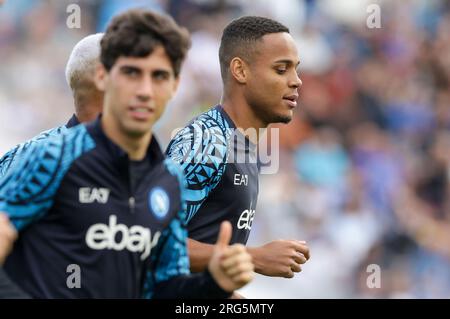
x=224, y=235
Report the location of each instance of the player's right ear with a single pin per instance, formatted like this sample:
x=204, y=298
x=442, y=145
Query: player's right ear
x=100, y=77
x=238, y=70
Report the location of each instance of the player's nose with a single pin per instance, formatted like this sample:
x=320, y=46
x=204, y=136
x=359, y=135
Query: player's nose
x=145, y=89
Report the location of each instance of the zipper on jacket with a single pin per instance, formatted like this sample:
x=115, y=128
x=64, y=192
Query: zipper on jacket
x=132, y=204
x=131, y=198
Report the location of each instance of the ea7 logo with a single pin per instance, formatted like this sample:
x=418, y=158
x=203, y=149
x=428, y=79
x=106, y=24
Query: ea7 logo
x=89, y=195
x=241, y=179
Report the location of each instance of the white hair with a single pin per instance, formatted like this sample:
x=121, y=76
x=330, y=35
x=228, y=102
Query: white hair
x=83, y=58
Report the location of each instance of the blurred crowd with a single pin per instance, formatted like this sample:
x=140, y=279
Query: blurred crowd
x=364, y=165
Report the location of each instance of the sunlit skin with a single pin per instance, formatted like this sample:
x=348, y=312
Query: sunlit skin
x=265, y=89
x=136, y=94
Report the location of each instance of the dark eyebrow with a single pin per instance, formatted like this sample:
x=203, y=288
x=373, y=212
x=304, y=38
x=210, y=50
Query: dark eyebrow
x=126, y=68
x=129, y=68
x=287, y=62
x=162, y=71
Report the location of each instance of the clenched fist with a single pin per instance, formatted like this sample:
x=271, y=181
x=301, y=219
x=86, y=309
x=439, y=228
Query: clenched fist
x=280, y=258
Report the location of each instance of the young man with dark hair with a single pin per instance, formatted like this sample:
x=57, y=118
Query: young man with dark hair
x=258, y=60
x=102, y=198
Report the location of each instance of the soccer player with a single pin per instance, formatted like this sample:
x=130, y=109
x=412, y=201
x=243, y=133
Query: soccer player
x=258, y=60
x=8, y=235
x=101, y=197
x=88, y=100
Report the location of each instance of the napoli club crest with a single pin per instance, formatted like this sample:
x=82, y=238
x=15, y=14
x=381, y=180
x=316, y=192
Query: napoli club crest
x=159, y=202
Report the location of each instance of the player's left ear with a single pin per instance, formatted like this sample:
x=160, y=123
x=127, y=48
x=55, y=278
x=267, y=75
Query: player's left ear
x=239, y=70
x=100, y=77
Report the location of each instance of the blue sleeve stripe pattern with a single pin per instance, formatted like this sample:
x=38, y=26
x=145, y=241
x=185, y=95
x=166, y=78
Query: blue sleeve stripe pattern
x=7, y=160
x=201, y=149
x=27, y=191
x=14, y=155
x=170, y=258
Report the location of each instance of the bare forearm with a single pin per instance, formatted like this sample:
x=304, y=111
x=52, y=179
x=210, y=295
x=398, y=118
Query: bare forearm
x=199, y=255
x=256, y=259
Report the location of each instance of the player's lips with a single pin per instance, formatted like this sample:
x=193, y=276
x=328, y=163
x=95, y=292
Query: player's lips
x=140, y=112
x=291, y=100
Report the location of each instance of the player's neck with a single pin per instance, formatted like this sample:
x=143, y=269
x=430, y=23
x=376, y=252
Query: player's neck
x=243, y=116
x=89, y=108
x=135, y=146
x=88, y=114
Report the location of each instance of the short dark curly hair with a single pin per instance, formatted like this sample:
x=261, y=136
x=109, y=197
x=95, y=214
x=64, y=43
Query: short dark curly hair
x=137, y=33
x=240, y=36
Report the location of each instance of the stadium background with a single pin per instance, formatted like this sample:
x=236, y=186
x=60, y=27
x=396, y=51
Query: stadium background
x=365, y=164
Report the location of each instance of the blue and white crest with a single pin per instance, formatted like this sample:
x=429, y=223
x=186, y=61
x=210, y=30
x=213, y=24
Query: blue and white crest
x=159, y=202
